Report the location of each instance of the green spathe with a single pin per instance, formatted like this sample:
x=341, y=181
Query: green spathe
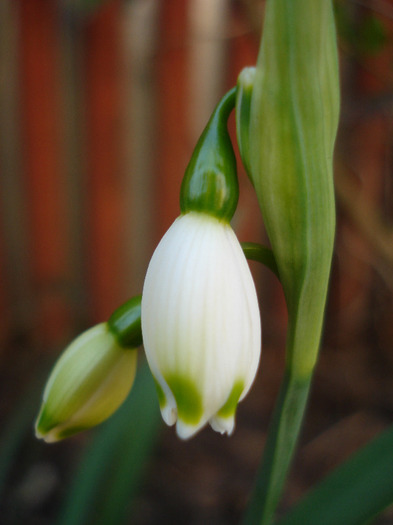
x=210, y=182
x=88, y=383
x=292, y=129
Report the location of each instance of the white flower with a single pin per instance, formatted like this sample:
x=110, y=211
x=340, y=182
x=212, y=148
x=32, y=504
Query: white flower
x=200, y=323
x=89, y=382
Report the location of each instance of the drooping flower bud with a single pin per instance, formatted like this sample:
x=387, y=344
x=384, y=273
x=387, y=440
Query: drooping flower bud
x=89, y=382
x=200, y=323
x=200, y=315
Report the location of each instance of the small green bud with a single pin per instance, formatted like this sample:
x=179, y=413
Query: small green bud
x=89, y=382
x=210, y=182
x=125, y=323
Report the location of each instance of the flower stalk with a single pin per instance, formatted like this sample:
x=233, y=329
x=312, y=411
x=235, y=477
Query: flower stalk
x=287, y=146
x=125, y=323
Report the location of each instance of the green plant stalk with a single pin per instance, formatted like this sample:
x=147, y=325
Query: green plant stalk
x=125, y=323
x=279, y=448
x=289, y=143
x=256, y=252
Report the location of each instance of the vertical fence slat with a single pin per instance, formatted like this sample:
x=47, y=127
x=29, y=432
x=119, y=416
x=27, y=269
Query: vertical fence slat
x=15, y=290
x=40, y=91
x=74, y=155
x=207, y=60
x=173, y=148
x=103, y=134
x=40, y=122
x=140, y=44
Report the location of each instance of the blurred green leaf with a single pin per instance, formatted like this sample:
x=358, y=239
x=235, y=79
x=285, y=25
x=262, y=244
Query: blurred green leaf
x=372, y=35
x=366, y=35
x=110, y=471
x=354, y=493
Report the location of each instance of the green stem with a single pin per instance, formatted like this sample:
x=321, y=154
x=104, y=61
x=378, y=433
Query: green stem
x=288, y=144
x=281, y=442
x=125, y=323
x=257, y=252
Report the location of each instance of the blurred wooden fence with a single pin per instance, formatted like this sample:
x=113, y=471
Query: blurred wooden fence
x=101, y=104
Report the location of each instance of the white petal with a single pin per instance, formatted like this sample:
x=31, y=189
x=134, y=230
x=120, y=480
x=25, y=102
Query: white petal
x=169, y=413
x=223, y=425
x=185, y=431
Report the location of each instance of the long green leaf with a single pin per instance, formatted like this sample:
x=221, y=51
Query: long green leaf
x=137, y=442
x=109, y=473
x=354, y=493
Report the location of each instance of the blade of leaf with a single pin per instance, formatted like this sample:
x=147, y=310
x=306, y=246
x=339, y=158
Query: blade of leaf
x=136, y=444
x=117, y=455
x=355, y=492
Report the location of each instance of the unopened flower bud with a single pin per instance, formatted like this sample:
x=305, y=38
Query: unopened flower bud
x=200, y=323
x=89, y=382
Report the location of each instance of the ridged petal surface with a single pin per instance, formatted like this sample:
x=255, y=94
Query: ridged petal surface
x=200, y=322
